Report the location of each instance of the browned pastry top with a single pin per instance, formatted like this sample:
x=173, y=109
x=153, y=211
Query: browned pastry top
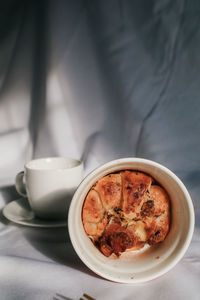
x=124, y=211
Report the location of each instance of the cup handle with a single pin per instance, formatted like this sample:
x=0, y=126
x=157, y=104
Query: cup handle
x=19, y=185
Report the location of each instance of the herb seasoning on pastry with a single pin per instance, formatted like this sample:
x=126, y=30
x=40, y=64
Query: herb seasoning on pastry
x=124, y=211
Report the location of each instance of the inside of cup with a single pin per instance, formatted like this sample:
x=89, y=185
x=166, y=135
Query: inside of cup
x=53, y=163
x=149, y=262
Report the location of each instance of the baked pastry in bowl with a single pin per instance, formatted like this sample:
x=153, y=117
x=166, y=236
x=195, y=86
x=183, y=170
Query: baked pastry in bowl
x=124, y=211
x=131, y=220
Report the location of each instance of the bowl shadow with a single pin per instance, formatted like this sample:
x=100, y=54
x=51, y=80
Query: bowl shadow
x=55, y=244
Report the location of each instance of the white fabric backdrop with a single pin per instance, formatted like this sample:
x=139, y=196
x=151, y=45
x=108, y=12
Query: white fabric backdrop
x=98, y=81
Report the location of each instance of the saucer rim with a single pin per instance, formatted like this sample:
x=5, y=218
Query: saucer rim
x=28, y=223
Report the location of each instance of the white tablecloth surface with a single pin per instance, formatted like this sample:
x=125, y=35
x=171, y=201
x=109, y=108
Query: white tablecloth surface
x=96, y=80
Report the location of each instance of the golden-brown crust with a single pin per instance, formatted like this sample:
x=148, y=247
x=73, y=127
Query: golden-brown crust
x=160, y=198
x=109, y=187
x=116, y=239
x=135, y=186
x=157, y=219
x=92, y=209
x=93, y=215
x=123, y=211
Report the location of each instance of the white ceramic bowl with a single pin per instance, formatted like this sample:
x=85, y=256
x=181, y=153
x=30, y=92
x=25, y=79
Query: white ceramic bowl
x=150, y=262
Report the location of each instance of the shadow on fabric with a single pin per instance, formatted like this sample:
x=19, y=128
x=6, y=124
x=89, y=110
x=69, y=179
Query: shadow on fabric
x=55, y=244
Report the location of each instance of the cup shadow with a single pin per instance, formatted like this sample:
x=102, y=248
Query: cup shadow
x=8, y=194
x=55, y=244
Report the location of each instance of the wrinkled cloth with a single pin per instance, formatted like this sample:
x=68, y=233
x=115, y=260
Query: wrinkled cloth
x=96, y=80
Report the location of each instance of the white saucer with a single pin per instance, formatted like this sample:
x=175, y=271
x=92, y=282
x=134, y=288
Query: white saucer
x=19, y=211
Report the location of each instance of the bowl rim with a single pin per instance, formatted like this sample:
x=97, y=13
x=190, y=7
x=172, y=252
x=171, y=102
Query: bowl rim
x=99, y=170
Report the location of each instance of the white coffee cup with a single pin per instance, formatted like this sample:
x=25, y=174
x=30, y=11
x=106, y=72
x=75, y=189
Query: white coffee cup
x=49, y=185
